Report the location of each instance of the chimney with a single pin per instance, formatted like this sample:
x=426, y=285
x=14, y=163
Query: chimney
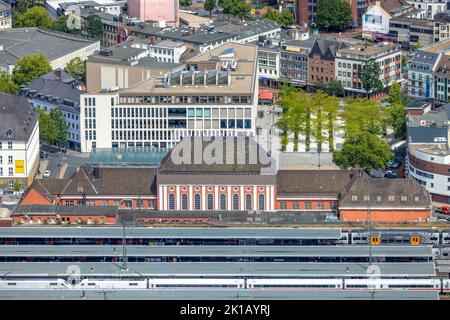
x=58, y=74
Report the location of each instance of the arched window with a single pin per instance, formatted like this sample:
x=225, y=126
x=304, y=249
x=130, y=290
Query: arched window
x=197, y=202
x=248, y=202
x=235, y=202
x=184, y=202
x=171, y=201
x=210, y=202
x=261, y=202
x=223, y=202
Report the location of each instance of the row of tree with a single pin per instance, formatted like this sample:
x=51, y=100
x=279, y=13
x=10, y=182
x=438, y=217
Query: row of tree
x=315, y=116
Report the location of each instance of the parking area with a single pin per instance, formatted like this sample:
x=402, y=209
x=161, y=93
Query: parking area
x=60, y=164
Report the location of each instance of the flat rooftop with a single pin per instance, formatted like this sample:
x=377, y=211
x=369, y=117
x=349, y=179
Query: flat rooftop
x=272, y=269
x=173, y=233
x=374, y=50
x=242, y=79
x=434, y=118
x=213, y=251
x=437, y=47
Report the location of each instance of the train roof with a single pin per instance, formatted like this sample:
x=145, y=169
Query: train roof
x=213, y=251
x=168, y=233
x=273, y=269
x=215, y=294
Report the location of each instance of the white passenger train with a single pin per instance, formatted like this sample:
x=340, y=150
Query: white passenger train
x=379, y=284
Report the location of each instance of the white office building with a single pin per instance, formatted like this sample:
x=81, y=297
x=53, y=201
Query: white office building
x=215, y=95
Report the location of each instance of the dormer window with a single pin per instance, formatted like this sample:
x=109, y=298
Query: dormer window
x=403, y=198
x=9, y=133
x=354, y=198
x=391, y=198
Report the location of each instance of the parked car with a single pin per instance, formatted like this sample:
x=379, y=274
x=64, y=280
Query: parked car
x=394, y=163
x=444, y=210
x=47, y=174
x=390, y=174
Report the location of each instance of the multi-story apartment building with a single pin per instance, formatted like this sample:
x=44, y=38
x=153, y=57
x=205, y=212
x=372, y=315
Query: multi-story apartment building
x=350, y=62
x=442, y=26
x=431, y=7
x=19, y=143
x=215, y=95
x=58, y=90
x=441, y=89
x=268, y=61
x=294, y=59
x=421, y=68
x=322, y=61
x=428, y=157
x=306, y=10
x=409, y=32
x=5, y=16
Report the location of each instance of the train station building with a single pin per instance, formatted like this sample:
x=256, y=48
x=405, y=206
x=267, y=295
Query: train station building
x=230, y=176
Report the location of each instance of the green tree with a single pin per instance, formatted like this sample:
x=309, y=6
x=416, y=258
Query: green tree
x=363, y=115
x=209, y=6
x=185, y=3
x=61, y=25
x=94, y=27
x=24, y=5
x=35, y=17
x=30, y=67
x=396, y=96
x=335, y=88
x=236, y=8
x=284, y=19
x=284, y=142
x=370, y=76
x=319, y=100
x=61, y=126
x=7, y=84
x=333, y=14
x=363, y=150
x=397, y=119
x=76, y=69
x=48, y=131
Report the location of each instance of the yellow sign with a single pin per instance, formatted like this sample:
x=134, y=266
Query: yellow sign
x=252, y=11
x=20, y=166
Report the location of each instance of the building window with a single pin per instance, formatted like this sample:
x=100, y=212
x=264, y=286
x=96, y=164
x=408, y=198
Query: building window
x=283, y=205
x=261, y=200
x=354, y=198
x=10, y=172
x=171, y=201
x=197, y=202
x=248, y=202
x=10, y=159
x=223, y=202
x=295, y=205
x=307, y=205
x=320, y=205
x=210, y=202
x=416, y=198
x=10, y=145
x=184, y=201
x=403, y=198
x=235, y=202
x=391, y=198
x=366, y=198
